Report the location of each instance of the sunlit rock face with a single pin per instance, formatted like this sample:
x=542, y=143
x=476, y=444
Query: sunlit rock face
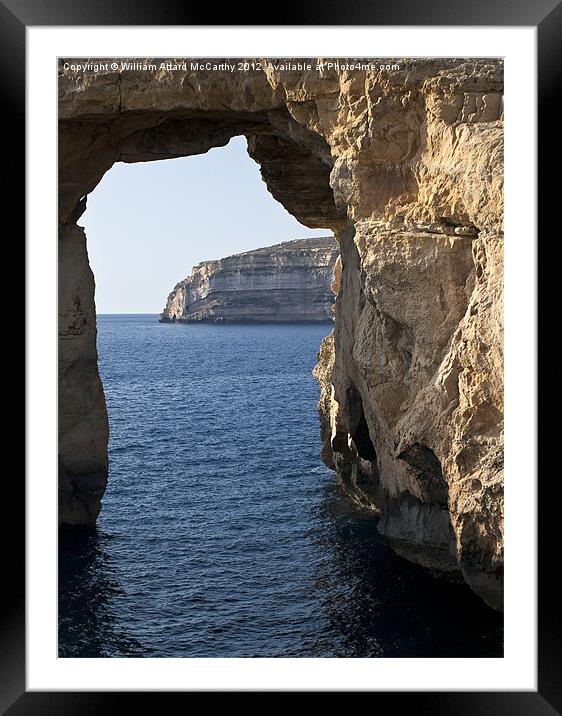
x=287, y=282
x=406, y=167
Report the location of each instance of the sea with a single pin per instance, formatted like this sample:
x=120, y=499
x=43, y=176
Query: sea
x=222, y=534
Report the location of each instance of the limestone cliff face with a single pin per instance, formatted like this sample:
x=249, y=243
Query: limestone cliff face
x=406, y=167
x=286, y=282
x=411, y=402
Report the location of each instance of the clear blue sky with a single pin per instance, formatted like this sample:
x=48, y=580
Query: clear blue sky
x=147, y=224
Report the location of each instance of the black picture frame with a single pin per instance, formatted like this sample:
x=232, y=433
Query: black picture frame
x=546, y=15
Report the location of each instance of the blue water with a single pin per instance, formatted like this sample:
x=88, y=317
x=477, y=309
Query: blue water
x=221, y=533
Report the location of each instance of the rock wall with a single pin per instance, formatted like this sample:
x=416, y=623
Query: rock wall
x=406, y=167
x=286, y=282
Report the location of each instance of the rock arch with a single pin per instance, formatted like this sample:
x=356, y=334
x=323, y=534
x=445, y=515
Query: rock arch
x=405, y=166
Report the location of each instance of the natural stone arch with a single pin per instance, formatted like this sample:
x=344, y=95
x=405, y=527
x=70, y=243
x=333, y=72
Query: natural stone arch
x=296, y=174
x=406, y=168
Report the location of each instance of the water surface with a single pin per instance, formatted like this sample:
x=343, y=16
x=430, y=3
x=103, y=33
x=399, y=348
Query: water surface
x=221, y=533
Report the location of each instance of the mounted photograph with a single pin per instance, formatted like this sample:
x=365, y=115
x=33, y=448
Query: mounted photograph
x=280, y=357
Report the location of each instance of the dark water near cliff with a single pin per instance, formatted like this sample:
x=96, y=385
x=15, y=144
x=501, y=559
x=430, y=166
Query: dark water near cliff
x=221, y=533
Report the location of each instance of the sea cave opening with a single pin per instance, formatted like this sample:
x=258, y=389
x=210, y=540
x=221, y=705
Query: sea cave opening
x=151, y=224
x=294, y=166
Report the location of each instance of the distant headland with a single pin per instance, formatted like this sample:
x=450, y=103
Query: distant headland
x=283, y=283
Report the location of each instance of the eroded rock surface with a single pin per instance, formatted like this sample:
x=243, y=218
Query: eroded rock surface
x=406, y=167
x=287, y=282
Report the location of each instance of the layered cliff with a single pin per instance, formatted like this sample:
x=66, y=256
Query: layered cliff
x=403, y=160
x=287, y=282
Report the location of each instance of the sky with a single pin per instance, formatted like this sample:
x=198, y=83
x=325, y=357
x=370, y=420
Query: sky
x=147, y=224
